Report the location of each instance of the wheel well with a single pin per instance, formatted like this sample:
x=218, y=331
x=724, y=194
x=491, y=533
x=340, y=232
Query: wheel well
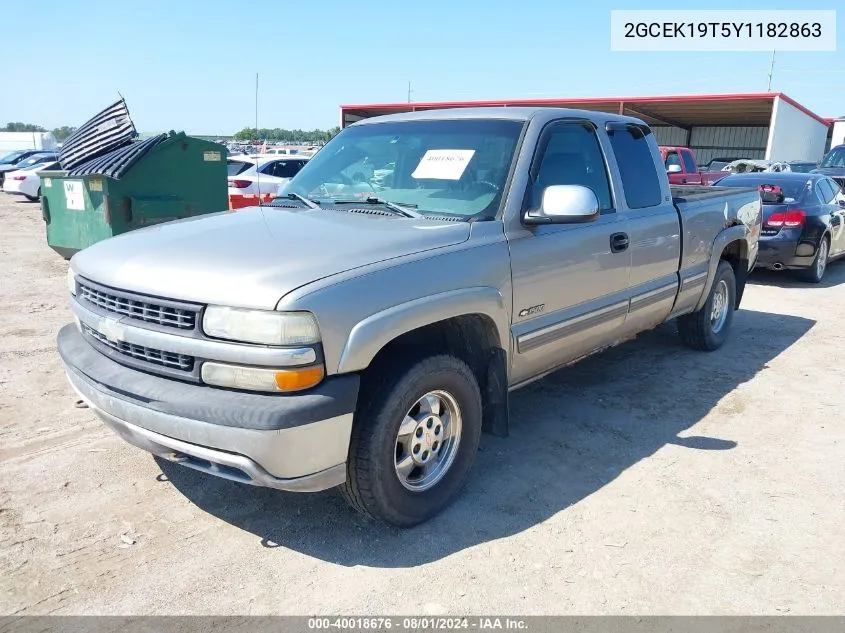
x=473, y=338
x=736, y=254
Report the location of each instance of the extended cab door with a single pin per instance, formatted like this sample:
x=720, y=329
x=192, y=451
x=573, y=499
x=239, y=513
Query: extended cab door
x=570, y=281
x=691, y=174
x=653, y=226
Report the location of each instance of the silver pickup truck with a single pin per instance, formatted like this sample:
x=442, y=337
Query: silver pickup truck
x=362, y=333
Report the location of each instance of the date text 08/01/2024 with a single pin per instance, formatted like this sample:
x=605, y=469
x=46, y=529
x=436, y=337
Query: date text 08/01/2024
x=424, y=623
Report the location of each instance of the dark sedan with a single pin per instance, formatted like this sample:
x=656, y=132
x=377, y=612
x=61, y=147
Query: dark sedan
x=803, y=220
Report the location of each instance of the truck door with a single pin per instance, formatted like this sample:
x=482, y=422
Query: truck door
x=674, y=168
x=653, y=225
x=570, y=281
x=691, y=173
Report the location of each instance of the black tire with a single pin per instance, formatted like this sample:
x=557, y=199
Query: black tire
x=814, y=274
x=372, y=484
x=697, y=329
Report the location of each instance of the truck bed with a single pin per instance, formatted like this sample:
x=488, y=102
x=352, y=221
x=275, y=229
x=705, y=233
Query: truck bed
x=706, y=210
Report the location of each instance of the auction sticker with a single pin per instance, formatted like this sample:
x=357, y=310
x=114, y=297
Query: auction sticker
x=74, y=195
x=443, y=164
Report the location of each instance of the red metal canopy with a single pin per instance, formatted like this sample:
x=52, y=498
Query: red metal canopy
x=684, y=111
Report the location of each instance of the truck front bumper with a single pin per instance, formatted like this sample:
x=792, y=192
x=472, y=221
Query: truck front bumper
x=290, y=442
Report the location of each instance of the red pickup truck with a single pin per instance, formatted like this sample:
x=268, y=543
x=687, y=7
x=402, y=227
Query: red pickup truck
x=682, y=168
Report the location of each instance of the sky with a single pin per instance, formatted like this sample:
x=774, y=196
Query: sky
x=191, y=64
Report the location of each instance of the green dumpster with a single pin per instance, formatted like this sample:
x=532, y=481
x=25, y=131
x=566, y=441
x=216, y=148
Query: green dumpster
x=163, y=178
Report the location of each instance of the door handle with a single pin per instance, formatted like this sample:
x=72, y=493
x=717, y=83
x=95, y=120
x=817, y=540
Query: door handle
x=618, y=242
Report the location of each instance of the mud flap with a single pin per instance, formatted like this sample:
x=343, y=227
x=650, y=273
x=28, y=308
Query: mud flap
x=495, y=396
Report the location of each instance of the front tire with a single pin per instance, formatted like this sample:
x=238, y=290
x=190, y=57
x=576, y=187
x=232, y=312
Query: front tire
x=708, y=328
x=815, y=273
x=414, y=442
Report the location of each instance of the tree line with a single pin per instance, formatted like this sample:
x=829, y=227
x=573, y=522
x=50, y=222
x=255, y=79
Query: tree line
x=246, y=134
x=291, y=136
x=61, y=133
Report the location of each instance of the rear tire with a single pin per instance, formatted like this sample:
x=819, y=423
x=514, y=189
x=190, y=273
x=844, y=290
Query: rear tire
x=815, y=273
x=708, y=328
x=390, y=432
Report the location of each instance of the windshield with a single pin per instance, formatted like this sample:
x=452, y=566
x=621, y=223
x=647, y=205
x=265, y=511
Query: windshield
x=802, y=168
x=455, y=167
x=10, y=158
x=834, y=158
x=34, y=160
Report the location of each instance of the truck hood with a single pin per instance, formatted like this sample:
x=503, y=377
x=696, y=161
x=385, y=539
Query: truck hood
x=253, y=257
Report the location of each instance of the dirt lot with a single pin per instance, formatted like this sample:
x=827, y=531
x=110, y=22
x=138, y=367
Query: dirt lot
x=649, y=479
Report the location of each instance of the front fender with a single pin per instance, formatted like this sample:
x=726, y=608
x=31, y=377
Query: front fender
x=373, y=333
x=738, y=232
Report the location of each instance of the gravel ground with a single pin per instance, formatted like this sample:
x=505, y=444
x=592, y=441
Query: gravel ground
x=647, y=480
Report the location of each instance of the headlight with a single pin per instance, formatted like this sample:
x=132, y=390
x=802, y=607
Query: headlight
x=71, y=281
x=260, y=378
x=261, y=326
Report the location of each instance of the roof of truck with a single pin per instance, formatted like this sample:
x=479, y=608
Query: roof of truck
x=508, y=114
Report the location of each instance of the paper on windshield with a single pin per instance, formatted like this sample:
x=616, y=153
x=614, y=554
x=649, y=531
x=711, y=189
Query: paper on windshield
x=443, y=164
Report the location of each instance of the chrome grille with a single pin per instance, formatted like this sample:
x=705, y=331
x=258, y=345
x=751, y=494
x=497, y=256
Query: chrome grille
x=148, y=354
x=138, y=307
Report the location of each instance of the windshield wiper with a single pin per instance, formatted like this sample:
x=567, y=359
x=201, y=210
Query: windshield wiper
x=308, y=203
x=398, y=209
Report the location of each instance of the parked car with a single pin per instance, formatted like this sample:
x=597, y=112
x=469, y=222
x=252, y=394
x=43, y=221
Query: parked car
x=265, y=175
x=15, y=160
x=801, y=166
x=802, y=220
x=281, y=151
x=717, y=164
x=682, y=167
x=333, y=340
x=27, y=181
x=833, y=165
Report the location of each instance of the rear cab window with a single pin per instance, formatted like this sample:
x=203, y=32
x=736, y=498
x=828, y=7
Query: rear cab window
x=689, y=162
x=636, y=165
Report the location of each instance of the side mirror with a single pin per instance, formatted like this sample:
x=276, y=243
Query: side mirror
x=674, y=169
x=841, y=202
x=565, y=204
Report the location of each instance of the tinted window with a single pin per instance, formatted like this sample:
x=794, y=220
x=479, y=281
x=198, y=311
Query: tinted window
x=836, y=188
x=573, y=156
x=235, y=167
x=793, y=189
x=672, y=159
x=689, y=162
x=287, y=168
x=829, y=189
x=636, y=167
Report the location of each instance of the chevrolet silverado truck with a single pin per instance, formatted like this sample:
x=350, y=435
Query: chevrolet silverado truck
x=363, y=335
x=682, y=168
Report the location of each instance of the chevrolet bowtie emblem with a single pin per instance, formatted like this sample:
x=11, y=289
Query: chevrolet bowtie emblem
x=111, y=329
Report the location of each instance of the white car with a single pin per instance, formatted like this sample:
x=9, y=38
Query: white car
x=263, y=175
x=27, y=182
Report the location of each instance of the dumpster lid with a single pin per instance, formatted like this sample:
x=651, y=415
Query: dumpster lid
x=103, y=133
x=116, y=163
